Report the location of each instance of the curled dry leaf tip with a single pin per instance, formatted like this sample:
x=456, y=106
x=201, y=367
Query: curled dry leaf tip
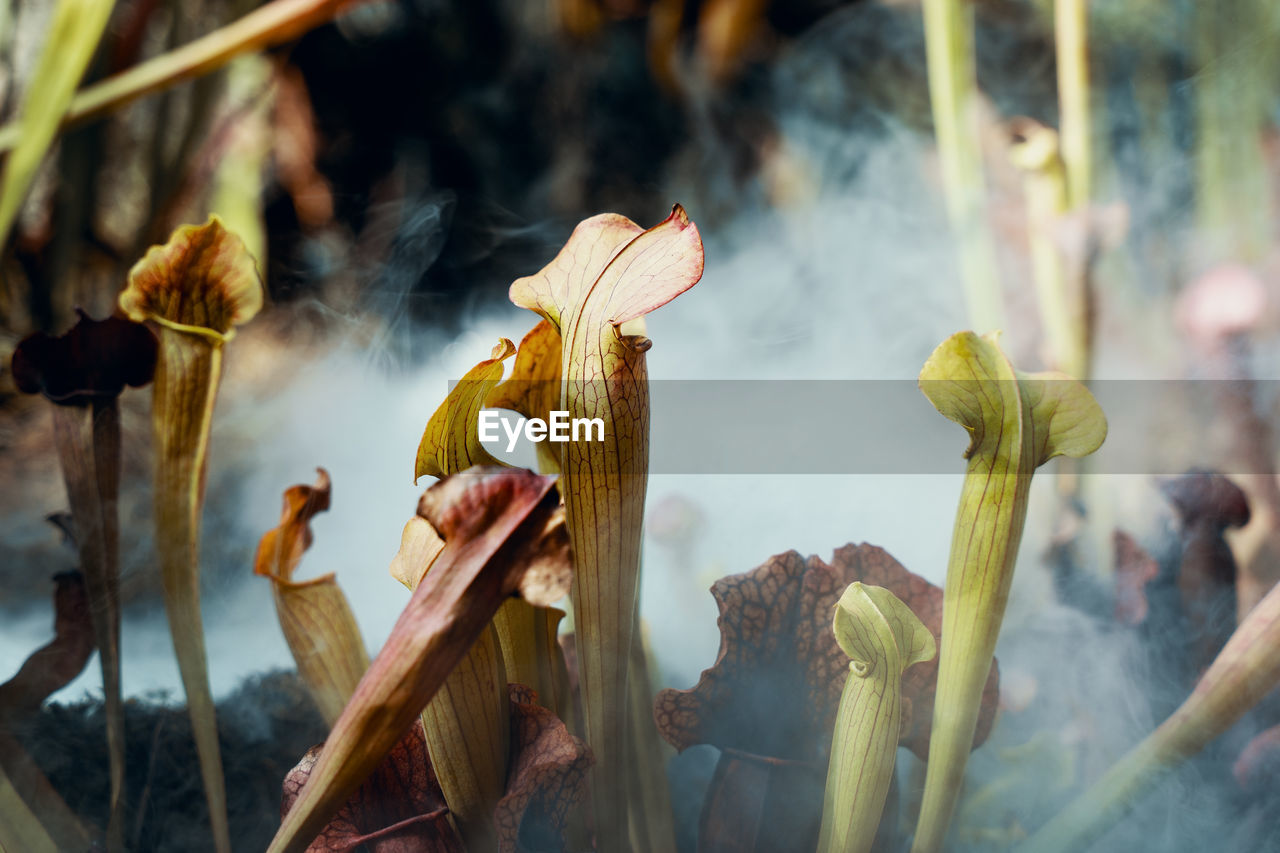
x=314, y=615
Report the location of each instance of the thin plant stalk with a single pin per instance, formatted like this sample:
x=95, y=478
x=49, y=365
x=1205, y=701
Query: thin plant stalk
x=1071, y=37
x=953, y=93
x=1036, y=152
x=83, y=372
x=1246, y=670
x=88, y=442
x=1231, y=103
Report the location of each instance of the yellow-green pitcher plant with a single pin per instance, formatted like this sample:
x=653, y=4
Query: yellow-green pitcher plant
x=1016, y=422
x=882, y=637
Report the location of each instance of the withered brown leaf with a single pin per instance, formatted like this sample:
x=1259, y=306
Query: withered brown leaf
x=56, y=664
x=546, y=777
x=776, y=683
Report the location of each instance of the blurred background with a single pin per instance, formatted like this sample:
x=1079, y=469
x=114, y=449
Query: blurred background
x=394, y=164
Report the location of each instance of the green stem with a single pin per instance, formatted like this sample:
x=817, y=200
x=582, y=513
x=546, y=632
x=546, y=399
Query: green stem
x=1071, y=33
x=953, y=92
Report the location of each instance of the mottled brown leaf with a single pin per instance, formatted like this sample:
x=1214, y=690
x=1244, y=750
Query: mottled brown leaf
x=401, y=809
x=775, y=687
x=398, y=809
x=546, y=778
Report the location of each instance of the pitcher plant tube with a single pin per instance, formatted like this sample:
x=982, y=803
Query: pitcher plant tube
x=83, y=373
x=466, y=724
x=882, y=637
x=607, y=277
x=1016, y=422
x=193, y=291
x=315, y=615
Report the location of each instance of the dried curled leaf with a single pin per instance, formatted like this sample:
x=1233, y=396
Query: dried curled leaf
x=314, y=615
x=281, y=548
x=546, y=778
x=55, y=665
x=95, y=359
x=203, y=280
x=776, y=684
